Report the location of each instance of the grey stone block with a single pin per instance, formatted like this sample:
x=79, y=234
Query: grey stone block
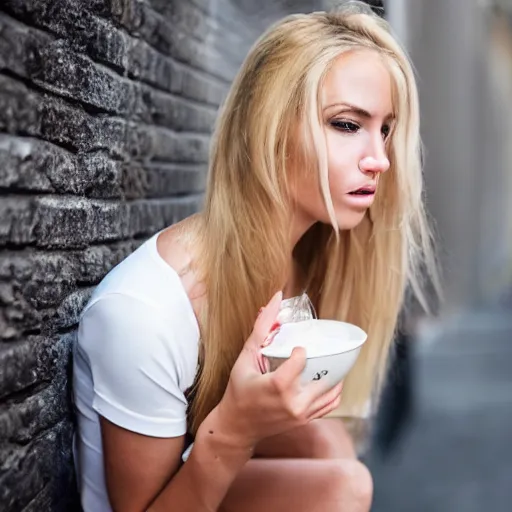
x=18, y=170
x=101, y=41
x=40, y=290
x=70, y=20
x=18, y=313
x=33, y=165
x=159, y=144
x=147, y=217
x=198, y=86
x=17, y=221
x=18, y=45
x=99, y=175
x=19, y=366
x=35, y=360
x=75, y=129
x=20, y=422
x=168, y=179
x=95, y=261
x=152, y=67
x=134, y=179
x=200, y=26
x=41, y=280
x=71, y=127
x=19, y=108
x=68, y=312
x=35, y=467
x=173, y=41
x=55, y=67
x=44, y=279
x=73, y=222
x=27, y=112
x=161, y=109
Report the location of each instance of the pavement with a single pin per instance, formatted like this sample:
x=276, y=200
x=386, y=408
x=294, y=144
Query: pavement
x=456, y=453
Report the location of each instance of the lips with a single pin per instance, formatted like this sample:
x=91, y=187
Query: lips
x=366, y=190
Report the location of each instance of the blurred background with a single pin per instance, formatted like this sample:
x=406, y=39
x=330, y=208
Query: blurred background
x=451, y=451
x=106, y=107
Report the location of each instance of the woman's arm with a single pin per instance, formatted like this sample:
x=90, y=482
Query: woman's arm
x=143, y=473
x=218, y=476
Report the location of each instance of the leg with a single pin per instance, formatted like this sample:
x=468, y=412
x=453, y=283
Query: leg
x=300, y=485
x=320, y=439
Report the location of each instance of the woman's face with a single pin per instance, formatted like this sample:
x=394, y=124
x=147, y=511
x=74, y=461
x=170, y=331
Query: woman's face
x=357, y=118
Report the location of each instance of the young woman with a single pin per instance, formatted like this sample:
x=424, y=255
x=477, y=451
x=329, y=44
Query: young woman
x=314, y=197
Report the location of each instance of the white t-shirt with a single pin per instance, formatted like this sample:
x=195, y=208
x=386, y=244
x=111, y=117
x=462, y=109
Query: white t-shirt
x=135, y=356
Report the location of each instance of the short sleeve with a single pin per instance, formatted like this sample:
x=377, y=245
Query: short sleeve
x=134, y=359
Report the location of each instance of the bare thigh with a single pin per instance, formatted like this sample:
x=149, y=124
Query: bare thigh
x=300, y=485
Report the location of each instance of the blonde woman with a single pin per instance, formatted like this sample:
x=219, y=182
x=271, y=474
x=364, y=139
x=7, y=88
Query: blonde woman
x=314, y=197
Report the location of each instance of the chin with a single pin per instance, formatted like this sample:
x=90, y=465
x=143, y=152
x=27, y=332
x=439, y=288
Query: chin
x=350, y=220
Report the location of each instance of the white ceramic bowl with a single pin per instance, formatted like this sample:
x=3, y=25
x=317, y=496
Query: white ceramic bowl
x=331, y=347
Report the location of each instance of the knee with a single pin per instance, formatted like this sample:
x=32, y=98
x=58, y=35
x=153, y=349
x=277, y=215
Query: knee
x=329, y=439
x=351, y=486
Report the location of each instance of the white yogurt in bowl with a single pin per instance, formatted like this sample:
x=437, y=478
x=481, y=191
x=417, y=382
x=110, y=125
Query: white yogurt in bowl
x=332, y=348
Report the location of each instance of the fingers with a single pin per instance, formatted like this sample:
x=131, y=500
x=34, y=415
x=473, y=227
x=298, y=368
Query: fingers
x=266, y=319
x=315, y=390
x=325, y=398
x=326, y=409
x=289, y=372
x=327, y=402
x=263, y=363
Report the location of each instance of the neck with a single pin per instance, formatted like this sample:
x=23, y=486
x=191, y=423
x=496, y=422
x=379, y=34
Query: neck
x=294, y=284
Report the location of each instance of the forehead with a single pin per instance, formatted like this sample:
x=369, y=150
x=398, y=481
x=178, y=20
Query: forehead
x=362, y=78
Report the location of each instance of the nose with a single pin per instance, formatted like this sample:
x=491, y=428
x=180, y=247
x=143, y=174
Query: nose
x=370, y=165
x=377, y=162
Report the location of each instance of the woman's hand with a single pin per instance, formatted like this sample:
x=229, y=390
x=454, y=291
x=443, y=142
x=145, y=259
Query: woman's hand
x=255, y=405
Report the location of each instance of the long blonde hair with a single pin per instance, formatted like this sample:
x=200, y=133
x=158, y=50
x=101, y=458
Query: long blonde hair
x=359, y=275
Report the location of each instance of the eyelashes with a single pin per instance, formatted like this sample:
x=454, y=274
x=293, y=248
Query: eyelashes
x=345, y=126
x=351, y=127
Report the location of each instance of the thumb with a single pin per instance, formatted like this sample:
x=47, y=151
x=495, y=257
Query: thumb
x=291, y=369
x=266, y=319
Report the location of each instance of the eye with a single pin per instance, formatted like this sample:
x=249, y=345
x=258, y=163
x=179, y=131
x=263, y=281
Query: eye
x=345, y=126
x=386, y=130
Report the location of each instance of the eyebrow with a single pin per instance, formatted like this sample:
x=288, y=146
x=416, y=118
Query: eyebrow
x=357, y=110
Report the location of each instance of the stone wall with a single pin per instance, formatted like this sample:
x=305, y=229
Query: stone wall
x=106, y=107
x=105, y=112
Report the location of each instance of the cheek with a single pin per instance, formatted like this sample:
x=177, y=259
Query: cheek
x=309, y=196
x=343, y=162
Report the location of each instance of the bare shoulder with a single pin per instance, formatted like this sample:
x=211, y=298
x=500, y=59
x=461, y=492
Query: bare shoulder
x=172, y=245
x=177, y=246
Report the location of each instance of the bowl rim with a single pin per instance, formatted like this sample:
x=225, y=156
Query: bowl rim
x=312, y=357
x=286, y=351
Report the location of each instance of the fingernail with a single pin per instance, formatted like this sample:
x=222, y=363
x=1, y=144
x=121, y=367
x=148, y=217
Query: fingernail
x=270, y=338
x=275, y=326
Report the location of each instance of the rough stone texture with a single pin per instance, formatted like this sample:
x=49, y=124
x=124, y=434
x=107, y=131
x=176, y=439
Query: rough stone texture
x=106, y=110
